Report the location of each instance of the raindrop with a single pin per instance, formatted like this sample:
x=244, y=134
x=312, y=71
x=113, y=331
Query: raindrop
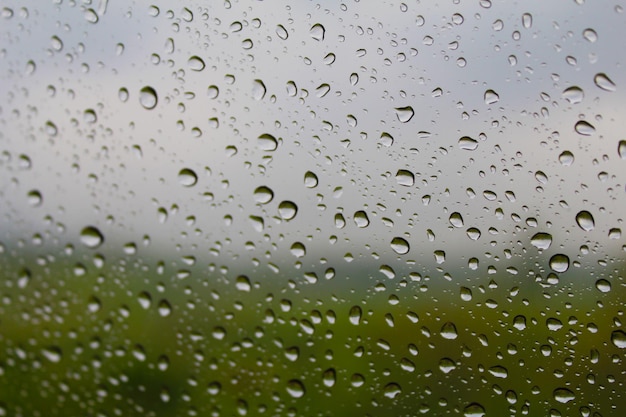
x=317, y=32
x=386, y=139
x=242, y=283
x=282, y=32
x=34, y=198
x=541, y=240
x=196, y=63
x=563, y=395
x=559, y=263
x=148, y=98
x=145, y=300
x=404, y=114
x=456, y=219
x=527, y=20
x=573, y=95
x=499, y=371
x=590, y=35
x=287, y=210
x=310, y=179
x=91, y=237
x=566, y=158
x=122, y=94
x=267, y=142
x=187, y=177
x=603, y=285
x=584, y=128
x=618, y=338
x=466, y=294
x=448, y=331
x=361, y=219
x=355, y=315
x=404, y=177
x=258, y=90
x=295, y=388
x=400, y=246
x=491, y=97
x=91, y=16
x=292, y=353
x=467, y=143
x=474, y=410
x=473, y=233
x=263, y=195
x=53, y=354
x=164, y=308
x=329, y=377
x=447, y=365
x=585, y=220
x=621, y=149
x=392, y=390
x=604, y=82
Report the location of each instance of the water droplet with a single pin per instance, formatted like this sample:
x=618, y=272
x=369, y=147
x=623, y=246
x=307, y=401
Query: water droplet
x=292, y=353
x=287, y=210
x=618, y=338
x=590, y=35
x=448, y=331
x=603, y=285
x=258, y=90
x=145, y=300
x=392, y=390
x=218, y=333
x=53, y=354
x=298, y=250
x=563, y=395
x=187, y=177
x=456, y=219
x=585, y=220
x=621, y=149
x=267, y=142
x=466, y=294
x=573, y=95
x=295, y=388
x=604, y=82
x=499, y=371
x=566, y=158
x=400, y=246
x=148, y=98
x=559, y=263
x=355, y=315
x=196, y=63
x=404, y=177
x=329, y=377
x=34, y=198
x=584, y=128
x=310, y=179
x=404, y=114
x=474, y=410
x=527, y=20
x=91, y=16
x=440, y=256
x=91, y=237
x=473, y=233
x=164, y=308
x=361, y=219
x=386, y=139
x=282, y=32
x=491, y=97
x=242, y=283
x=541, y=240
x=263, y=195
x=122, y=94
x=317, y=32
x=467, y=143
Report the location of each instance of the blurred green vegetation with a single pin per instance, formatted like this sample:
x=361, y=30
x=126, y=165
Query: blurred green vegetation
x=84, y=335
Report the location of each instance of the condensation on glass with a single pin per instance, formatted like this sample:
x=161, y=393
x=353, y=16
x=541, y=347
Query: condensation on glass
x=312, y=208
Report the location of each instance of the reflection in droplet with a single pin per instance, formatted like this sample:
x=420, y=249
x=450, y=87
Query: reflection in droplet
x=91, y=237
x=559, y=263
x=400, y=245
x=585, y=220
x=404, y=114
x=604, y=82
x=187, y=177
x=148, y=97
x=584, y=128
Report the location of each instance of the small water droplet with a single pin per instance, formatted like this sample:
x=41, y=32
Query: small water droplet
x=148, y=98
x=527, y=20
x=144, y=299
x=491, y=97
x=584, y=128
x=404, y=177
x=53, y=354
x=400, y=245
x=295, y=388
x=559, y=263
x=585, y=220
x=34, y=198
x=282, y=32
x=404, y=114
x=310, y=179
x=604, y=82
x=258, y=90
x=355, y=315
x=164, y=308
x=590, y=35
x=196, y=63
x=621, y=149
x=563, y=395
x=242, y=283
x=91, y=237
x=329, y=377
x=91, y=16
x=187, y=177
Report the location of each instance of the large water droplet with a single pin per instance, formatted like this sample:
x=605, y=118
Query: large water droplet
x=267, y=142
x=618, y=338
x=263, y=195
x=559, y=263
x=164, y=308
x=448, y=331
x=563, y=395
x=295, y=388
x=603, y=285
x=541, y=240
x=258, y=90
x=91, y=237
x=456, y=219
x=329, y=377
x=53, y=354
x=404, y=114
x=566, y=158
x=585, y=220
x=196, y=63
x=34, y=198
x=355, y=315
x=317, y=32
x=287, y=210
x=499, y=371
x=310, y=179
x=404, y=177
x=148, y=98
x=187, y=177
x=467, y=143
x=400, y=245
x=361, y=219
x=573, y=95
x=584, y=128
x=621, y=149
x=590, y=35
x=242, y=283
x=392, y=390
x=474, y=410
x=527, y=20
x=491, y=97
x=604, y=82
x=282, y=32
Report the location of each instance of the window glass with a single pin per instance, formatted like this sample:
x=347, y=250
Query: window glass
x=312, y=208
